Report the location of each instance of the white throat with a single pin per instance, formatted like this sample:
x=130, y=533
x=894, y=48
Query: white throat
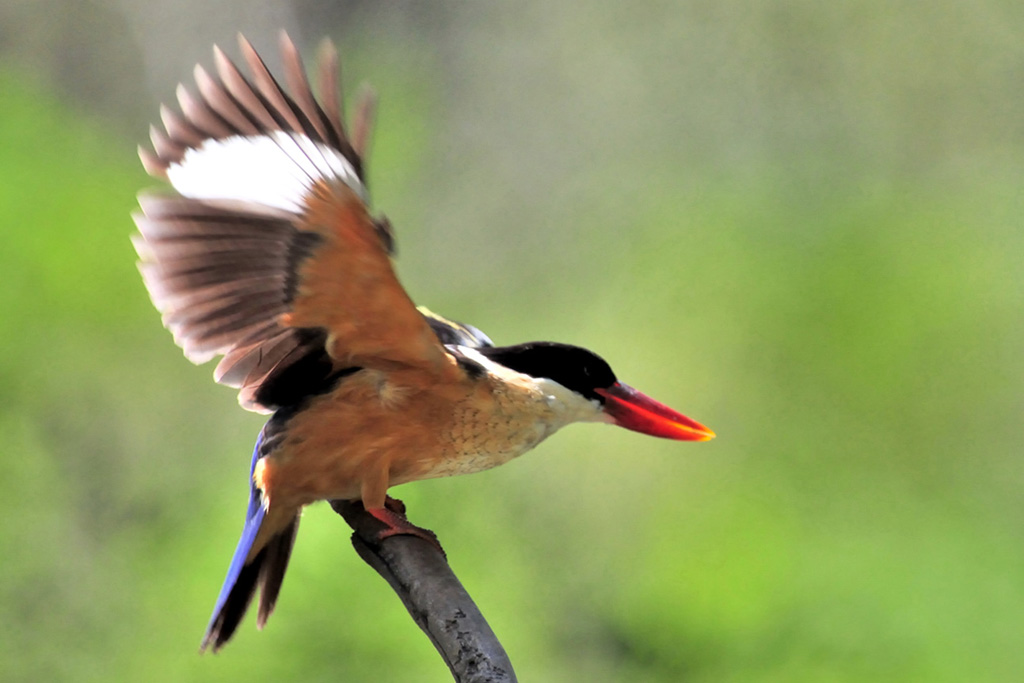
x=566, y=405
x=559, y=405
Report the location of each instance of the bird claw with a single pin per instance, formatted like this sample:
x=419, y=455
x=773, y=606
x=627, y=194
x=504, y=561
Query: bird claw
x=395, y=505
x=392, y=515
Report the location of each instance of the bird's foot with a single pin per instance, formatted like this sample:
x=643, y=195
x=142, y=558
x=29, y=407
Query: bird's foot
x=395, y=505
x=392, y=515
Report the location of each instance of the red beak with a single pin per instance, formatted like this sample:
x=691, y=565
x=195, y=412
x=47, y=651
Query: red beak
x=633, y=410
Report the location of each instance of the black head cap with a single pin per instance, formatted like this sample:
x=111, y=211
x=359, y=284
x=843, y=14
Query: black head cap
x=573, y=367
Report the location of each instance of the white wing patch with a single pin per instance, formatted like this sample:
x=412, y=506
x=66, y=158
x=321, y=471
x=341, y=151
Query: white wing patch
x=276, y=169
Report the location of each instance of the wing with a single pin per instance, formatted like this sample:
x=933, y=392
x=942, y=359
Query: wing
x=266, y=253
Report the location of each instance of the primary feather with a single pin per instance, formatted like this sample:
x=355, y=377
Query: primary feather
x=223, y=256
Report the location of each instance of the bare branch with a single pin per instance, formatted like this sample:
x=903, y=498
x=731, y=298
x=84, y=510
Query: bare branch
x=418, y=572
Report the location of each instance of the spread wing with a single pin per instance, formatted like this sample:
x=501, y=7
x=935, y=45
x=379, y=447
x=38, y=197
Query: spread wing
x=266, y=253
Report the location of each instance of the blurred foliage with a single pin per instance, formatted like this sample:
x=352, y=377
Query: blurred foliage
x=838, y=294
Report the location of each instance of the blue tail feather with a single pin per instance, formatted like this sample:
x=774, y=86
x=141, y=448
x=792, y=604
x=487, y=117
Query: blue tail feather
x=265, y=570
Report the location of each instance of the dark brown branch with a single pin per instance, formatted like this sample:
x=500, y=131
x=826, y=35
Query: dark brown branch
x=419, y=573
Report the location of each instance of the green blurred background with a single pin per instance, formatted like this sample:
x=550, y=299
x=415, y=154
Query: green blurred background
x=798, y=222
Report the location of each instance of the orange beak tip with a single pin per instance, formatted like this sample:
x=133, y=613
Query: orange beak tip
x=634, y=411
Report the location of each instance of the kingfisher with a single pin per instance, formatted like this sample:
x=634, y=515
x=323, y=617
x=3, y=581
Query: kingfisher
x=265, y=252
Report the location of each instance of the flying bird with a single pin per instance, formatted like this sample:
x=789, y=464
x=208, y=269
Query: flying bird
x=266, y=254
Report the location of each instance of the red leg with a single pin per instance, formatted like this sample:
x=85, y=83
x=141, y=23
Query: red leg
x=392, y=515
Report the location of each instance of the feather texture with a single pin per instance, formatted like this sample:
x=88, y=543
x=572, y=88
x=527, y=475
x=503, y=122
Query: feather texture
x=223, y=257
x=253, y=567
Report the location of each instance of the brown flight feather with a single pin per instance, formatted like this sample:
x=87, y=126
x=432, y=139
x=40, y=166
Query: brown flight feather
x=379, y=326
x=269, y=288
